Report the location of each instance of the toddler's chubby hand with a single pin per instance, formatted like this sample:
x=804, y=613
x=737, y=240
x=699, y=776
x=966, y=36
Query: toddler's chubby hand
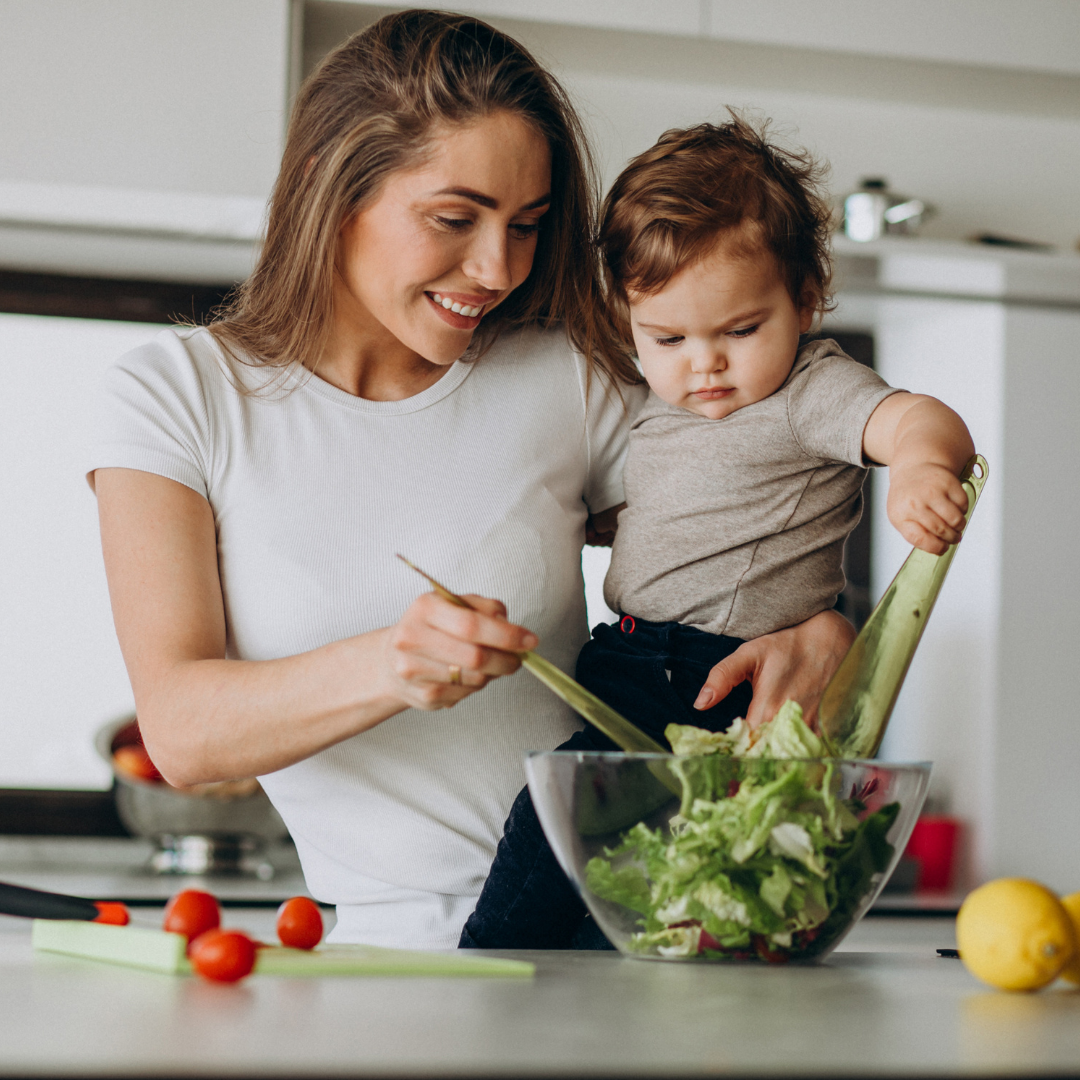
x=927, y=504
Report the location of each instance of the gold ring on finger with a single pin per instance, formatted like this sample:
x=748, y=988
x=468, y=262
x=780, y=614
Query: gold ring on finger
x=455, y=675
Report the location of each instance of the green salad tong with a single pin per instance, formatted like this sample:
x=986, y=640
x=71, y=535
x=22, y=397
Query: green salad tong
x=856, y=706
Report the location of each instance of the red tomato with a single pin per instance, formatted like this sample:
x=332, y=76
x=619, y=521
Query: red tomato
x=191, y=913
x=222, y=955
x=299, y=923
x=134, y=761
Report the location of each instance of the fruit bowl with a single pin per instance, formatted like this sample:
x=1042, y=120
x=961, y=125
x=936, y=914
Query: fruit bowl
x=724, y=858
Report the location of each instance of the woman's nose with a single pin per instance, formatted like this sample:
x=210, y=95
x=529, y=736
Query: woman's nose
x=487, y=262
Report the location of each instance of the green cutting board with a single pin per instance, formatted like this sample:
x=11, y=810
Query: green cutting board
x=157, y=950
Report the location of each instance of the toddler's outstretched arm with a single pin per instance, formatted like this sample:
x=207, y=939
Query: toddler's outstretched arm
x=925, y=444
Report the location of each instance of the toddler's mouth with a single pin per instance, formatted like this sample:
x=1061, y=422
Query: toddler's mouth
x=714, y=393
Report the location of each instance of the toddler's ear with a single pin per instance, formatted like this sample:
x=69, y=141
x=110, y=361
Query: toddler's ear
x=806, y=318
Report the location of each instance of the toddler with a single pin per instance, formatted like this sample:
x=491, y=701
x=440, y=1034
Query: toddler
x=745, y=465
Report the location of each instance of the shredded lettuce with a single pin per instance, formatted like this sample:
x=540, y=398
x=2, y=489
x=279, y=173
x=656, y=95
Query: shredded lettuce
x=764, y=858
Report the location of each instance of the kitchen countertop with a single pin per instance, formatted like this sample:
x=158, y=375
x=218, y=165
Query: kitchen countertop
x=113, y=868
x=884, y=1005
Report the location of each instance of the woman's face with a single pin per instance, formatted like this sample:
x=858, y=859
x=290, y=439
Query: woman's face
x=447, y=241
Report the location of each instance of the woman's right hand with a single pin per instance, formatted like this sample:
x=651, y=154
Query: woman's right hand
x=436, y=642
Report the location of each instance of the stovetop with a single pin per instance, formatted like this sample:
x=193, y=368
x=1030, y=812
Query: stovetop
x=108, y=868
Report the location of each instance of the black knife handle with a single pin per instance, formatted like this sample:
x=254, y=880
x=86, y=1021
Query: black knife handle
x=37, y=904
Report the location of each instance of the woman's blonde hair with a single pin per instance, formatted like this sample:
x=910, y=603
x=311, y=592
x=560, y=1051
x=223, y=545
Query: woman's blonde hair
x=367, y=112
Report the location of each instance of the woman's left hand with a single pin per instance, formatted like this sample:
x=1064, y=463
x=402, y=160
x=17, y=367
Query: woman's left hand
x=796, y=662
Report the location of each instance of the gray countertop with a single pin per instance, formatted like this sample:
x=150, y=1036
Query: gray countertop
x=885, y=1005
x=108, y=868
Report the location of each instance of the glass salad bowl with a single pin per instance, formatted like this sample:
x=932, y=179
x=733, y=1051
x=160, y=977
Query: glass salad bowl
x=725, y=858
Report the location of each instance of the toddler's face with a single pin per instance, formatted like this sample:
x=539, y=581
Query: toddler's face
x=721, y=334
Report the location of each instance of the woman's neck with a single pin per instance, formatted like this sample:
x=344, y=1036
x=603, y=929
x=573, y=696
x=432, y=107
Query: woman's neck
x=366, y=360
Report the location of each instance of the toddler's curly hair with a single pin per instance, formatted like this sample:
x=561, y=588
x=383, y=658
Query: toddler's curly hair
x=670, y=206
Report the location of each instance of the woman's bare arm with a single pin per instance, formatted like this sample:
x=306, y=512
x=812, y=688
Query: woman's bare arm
x=206, y=718
x=600, y=528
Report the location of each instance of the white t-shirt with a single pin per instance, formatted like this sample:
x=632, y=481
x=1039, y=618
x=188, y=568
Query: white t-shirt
x=485, y=480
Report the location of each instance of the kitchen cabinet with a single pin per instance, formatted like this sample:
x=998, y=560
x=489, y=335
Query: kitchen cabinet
x=140, y=140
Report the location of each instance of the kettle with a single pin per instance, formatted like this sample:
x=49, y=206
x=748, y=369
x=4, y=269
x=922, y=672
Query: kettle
x=873, y=210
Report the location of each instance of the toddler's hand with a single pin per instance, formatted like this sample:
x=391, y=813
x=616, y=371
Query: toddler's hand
x=927, y=504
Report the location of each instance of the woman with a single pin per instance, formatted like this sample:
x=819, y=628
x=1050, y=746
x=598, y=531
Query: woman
x=396, y=376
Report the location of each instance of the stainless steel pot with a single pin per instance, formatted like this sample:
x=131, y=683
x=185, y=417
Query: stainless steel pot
x=207, y=830
x=873, y=211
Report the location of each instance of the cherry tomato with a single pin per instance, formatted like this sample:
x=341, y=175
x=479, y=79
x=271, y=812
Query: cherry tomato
x=191, y=913
x=222, y=955
x=134, y=761
x=299, y=923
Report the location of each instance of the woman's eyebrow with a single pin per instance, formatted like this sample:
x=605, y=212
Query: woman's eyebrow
x=489, y=202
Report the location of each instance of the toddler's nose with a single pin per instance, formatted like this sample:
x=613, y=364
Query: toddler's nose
x=708, y=360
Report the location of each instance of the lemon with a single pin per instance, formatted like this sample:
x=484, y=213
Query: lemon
x=1015, y=934
x=1071, y=904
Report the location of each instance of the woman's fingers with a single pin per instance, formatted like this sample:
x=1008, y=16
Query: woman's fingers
x=440, y=653
x=797, y=663
x=483, y=630
x=729, y=673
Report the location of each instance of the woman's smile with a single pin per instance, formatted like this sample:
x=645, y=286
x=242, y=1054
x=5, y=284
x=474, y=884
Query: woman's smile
x=459, y=310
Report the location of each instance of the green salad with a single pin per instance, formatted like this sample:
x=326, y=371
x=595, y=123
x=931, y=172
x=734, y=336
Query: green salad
x=764, y=857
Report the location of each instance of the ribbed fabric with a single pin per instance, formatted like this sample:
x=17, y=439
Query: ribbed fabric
x=485, y=480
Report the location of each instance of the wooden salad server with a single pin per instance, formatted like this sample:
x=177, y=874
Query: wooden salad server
x=859, y=699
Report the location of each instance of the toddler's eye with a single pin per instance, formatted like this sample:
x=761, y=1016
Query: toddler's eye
x=744, y=331
x=668, y=341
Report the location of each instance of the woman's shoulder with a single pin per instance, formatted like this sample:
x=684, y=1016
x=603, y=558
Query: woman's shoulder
x=546, y=353
x=187, y=363
x=174, y=355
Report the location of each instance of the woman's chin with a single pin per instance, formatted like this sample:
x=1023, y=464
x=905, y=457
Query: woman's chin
x=444, y=349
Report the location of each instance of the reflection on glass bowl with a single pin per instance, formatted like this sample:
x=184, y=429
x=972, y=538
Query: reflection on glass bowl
x=725, y=858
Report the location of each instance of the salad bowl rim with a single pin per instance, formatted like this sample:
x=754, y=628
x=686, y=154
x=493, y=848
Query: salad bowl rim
x=624, y=755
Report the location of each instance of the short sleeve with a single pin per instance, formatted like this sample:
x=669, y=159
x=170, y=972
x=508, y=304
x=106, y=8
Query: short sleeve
x=611, y=408
x=830, y=399
x=151, y=415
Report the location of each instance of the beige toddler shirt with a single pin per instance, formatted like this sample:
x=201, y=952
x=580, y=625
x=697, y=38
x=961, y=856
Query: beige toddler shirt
x=737, y=526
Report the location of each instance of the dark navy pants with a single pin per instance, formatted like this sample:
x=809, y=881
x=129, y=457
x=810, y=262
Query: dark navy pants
x=649, y=672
